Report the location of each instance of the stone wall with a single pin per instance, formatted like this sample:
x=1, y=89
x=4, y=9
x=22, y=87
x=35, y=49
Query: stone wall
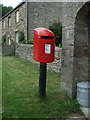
x=42, y=14
x=11, y=30
x=74, y=46
x=7, y=50
x=31, y=16
x=26, y=52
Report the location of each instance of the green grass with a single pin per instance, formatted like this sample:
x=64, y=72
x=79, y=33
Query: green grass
x=20, y=92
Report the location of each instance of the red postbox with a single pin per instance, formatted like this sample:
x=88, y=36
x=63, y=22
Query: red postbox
x=44, y=45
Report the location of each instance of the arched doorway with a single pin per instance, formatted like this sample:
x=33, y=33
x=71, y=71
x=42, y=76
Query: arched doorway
x=75, y=46
x=82, y=45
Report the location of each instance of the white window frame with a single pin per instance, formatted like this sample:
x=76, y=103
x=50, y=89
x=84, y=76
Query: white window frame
x=17, y=16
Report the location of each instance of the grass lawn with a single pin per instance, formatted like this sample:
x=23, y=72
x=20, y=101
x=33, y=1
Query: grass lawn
x=0, y=87
x=20, y=92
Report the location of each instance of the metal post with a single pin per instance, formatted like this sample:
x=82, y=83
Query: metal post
x=42, y=79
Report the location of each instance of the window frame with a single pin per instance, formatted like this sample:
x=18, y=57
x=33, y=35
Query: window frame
x=17, y=16
x=17, y=37
x=9, y=21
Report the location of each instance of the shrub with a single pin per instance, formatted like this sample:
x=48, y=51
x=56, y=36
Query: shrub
x=21, y=37
x=56, y=28
x=13, y=42
x=4, y=38
x=29, y=41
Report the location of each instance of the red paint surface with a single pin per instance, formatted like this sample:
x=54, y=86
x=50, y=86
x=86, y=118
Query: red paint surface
x=43, y=36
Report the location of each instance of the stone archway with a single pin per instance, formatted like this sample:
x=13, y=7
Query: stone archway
x=75, y=46
x=82, y=45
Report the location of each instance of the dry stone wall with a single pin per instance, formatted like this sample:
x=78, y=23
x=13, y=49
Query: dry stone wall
x=7, y=50
x=26, y=52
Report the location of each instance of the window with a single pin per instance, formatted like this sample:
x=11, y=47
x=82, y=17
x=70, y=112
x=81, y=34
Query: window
x=17, y=16
x=4, y=24
x=9, y=21
x=9, y=41
x=17, y=37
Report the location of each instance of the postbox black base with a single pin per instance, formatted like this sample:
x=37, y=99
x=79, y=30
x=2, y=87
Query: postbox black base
x=42, y=79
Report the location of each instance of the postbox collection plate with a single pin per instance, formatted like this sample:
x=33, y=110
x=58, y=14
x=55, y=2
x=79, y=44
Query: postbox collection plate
x=47, y=48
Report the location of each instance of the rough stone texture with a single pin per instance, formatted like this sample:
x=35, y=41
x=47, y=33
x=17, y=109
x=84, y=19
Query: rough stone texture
x=56, y=65
x=31, y=15
x=42, y=14
x=86, y=111
x=75, y=50
x=75, y=18
x=15, y=27
x=7, y=50
x=26, y=52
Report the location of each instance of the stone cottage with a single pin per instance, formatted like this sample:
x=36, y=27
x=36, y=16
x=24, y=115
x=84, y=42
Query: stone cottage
x=13, y=22
x=75, y=18
x=27, y=16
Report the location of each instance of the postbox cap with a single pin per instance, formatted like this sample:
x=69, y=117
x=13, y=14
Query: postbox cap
x=44, y=32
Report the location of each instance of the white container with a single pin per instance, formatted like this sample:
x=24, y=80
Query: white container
x=83, y=94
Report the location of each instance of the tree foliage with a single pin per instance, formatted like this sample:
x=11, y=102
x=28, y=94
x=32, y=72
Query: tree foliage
x=4, y=10
x=56, y=28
